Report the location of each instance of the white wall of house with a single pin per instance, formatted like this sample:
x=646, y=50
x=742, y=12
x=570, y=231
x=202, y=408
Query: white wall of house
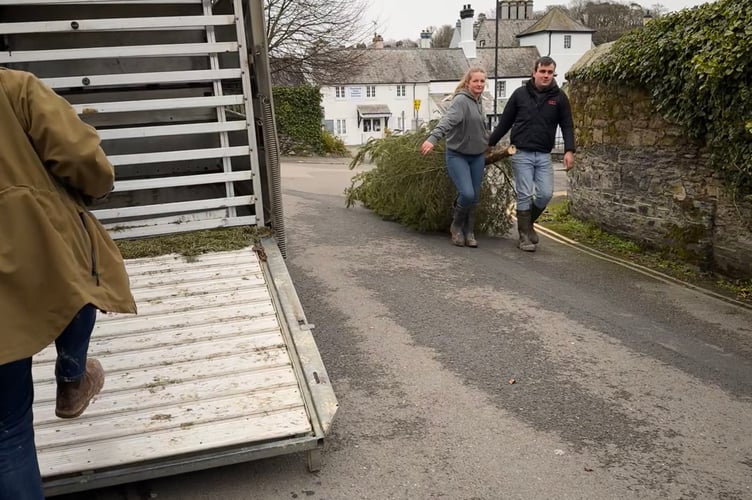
x=341, y=109
x=442, y=87
x=506, y=86
x=565, y=51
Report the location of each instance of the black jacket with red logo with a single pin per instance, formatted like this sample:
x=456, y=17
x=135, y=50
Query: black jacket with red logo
x=533, y=115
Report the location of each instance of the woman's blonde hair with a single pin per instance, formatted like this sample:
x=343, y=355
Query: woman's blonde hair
x=466, y=78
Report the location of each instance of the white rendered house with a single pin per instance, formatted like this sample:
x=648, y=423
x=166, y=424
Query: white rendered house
x=404, y=88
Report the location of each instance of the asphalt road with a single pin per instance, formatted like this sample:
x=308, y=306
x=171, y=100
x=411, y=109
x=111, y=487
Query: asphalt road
x=624, y=386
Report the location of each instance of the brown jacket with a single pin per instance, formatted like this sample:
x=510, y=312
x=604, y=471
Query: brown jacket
x=55, y=257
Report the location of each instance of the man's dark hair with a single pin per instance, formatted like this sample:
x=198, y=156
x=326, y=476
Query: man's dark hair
x=543, y=61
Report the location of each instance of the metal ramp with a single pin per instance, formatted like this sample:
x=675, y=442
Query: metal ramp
x=220, y=366
x=206, y=375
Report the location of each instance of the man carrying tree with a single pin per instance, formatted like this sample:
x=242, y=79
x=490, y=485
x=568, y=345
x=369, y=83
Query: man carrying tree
x=533, y=113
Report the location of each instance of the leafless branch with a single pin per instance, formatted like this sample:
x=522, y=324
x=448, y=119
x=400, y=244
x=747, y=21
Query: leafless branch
x=309, y=35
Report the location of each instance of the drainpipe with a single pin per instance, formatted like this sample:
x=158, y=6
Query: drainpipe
x=496, y=66
x=415, y=111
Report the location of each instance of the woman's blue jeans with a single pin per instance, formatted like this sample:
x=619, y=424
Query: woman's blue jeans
x=19, y=470
x=466, y=172
x=533, y=179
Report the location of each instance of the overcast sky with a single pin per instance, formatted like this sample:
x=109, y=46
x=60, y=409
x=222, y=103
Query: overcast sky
x=400, y=19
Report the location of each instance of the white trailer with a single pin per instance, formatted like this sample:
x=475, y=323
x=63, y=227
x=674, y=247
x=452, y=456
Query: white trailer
x=220, y=366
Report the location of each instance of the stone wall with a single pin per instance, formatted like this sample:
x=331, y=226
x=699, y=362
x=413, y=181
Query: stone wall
x=639, y=176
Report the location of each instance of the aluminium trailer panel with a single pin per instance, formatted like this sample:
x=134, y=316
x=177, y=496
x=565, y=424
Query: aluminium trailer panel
x=218, y=368
x=169, y=87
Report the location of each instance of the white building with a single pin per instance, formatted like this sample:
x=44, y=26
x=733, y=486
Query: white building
x=403, y=88
x=555, y=34
x=393, y=88
x=560, y=37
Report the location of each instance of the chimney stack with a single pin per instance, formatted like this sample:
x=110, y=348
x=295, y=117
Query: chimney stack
x=467, y=41
x=425, y=39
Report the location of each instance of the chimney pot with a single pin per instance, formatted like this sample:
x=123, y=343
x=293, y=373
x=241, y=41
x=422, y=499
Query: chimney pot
x=467, y=40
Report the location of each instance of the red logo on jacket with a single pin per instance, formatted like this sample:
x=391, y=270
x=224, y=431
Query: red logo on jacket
x=552, y=102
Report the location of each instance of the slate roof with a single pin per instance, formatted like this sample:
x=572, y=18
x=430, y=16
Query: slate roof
x=415, y=65
x=508, y=31
x=442, y=102
x=373, y=109
x=513, y=61
x=407, y=65
x=556, y=20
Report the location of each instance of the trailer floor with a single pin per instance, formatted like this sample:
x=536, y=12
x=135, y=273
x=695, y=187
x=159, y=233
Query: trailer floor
x=203, y=366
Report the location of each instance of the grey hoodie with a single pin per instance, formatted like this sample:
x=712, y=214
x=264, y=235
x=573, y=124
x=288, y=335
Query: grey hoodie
x=463, y=125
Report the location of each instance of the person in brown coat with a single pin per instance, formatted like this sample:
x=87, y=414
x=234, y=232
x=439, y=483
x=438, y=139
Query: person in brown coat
x=58, y=265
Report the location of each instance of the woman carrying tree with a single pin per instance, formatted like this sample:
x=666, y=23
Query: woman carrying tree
x=466, y=135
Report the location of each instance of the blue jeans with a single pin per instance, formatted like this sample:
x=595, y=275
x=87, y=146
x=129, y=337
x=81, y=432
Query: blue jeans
x=19, y=470
x=466, y=172
x=533, y=179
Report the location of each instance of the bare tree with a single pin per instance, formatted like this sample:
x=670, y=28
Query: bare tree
x=610, y=19
x=442, y=37
x=657, y=10
x=310, y=35
x=405, y=42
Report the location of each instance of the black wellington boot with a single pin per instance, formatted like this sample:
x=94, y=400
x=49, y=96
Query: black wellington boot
x=534, y=214
x=523, y=227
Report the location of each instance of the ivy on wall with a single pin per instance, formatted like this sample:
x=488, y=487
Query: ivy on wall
x=697, y=66
x=298, y=113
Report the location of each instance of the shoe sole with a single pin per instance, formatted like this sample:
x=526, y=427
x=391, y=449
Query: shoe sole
x=526, y=248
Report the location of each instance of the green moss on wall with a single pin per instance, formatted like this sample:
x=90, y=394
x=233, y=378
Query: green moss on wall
x=695, y=65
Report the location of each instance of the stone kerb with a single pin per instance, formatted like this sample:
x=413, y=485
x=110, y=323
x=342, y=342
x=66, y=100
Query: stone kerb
x=640, y=177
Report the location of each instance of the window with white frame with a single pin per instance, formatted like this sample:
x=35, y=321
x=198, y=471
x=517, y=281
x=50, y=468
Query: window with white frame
x=339, y=92
x=401, y=91
x=567, y=41
x=340, y=127
x=481, y=43
x=370, y=90
x=371, y=124
x=501, y=90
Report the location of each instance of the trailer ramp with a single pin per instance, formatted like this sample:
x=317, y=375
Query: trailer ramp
x=207, y=374
x=220, y=366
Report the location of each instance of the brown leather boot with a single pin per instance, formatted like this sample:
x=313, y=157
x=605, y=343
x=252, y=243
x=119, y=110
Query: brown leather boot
x=469, y=229
x=458, y=237
x=74, y=397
